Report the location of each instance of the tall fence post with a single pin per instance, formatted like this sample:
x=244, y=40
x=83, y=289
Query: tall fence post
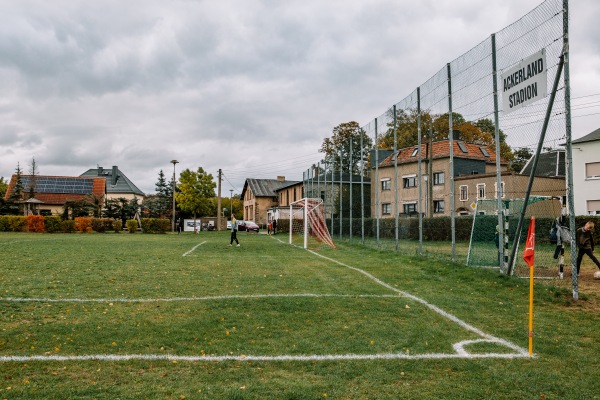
x=420, y=174
x=396, y=209
x=499, y=189
x=569, y=150
x=351, y=174
x=377, y=207
x=362, y=189
x=451, y=140
x=340, y=190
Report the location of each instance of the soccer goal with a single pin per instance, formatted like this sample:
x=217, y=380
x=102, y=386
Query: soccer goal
x=486, y=249
x=308, y=225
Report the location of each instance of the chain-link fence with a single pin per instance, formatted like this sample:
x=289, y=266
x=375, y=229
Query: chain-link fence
x=410, y=179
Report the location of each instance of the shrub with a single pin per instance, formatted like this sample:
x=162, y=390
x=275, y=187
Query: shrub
x=132, y=225
x=17, y=223
x=67, y=226
x=35, y=223
x=102, y=224
x=52, y=224
x=83, y=224
x=155, y=225
x=3, y=223
x=117, y=226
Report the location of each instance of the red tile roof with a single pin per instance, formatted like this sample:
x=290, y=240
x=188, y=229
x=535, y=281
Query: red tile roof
x=441, y=149
x=98, y=189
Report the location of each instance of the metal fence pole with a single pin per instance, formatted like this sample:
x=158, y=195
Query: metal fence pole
x=451, y=140
x=420, y=174
x=362, y=189
x=351, y=175
x=569, y=150
x=396, y=177
x=341, y=184
x=377, y=207
x=499, y=191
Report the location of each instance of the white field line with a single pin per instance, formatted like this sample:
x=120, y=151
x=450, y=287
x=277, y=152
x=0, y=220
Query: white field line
x=175, y=299
x=459, y=347
x=487, y=337
x=193, y=248
x=307, y=357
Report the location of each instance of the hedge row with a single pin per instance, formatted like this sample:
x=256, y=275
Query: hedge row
x=55, y=224
x=439, y=228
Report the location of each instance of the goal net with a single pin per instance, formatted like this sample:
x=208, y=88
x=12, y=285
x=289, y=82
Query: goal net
x=486, y=249
x=308, y=227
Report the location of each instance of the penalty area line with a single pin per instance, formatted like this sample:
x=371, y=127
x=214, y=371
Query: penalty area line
x=307, y=357
x=447, y=315
x=193, y=248
x=204, y=298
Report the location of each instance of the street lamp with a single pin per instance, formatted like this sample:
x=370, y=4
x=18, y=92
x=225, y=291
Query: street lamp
x=230, y=203
x=173, y=216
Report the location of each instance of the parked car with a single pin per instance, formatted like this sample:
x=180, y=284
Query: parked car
x=250, y=226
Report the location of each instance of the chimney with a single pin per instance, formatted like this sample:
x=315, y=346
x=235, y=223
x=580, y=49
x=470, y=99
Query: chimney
x=115, y=175
x=281, y=178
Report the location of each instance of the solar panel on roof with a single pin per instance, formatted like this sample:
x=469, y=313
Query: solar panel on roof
x=47, y=184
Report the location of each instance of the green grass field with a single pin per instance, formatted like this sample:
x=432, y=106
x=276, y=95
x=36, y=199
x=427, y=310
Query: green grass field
x=107, y=316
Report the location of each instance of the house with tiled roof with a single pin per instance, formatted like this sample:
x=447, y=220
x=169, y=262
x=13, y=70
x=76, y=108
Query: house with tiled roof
x=469, y=159
x=260, y=195
x=52, y=192
x=117, y=183
x=586, y=174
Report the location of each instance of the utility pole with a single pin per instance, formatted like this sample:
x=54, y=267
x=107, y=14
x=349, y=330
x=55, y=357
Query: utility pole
x=219, y=211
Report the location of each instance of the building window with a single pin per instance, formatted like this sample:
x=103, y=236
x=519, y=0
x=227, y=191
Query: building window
x=593, y=207
x=438, y=206
x=480, y=191
x=501, y=188
x=386, y=209
x=592, y=170
x=464, y=193
x=409, y=208
x=438, y=178
x=386, y=184
x=409, y=182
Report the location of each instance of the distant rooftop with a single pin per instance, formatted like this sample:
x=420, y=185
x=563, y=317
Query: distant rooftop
x=116, y=181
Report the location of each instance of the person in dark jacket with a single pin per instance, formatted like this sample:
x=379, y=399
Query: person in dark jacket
x=585, y=243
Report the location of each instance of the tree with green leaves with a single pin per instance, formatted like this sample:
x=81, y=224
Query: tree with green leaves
x=436, y=128
x=13, y=203
x=522, y=155
x=159, y=204
x=347, y=137
x=195, y=191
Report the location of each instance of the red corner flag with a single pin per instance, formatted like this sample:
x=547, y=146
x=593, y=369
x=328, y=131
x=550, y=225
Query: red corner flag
x=529, y=254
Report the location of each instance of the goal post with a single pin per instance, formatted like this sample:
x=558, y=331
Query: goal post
x=308, y=225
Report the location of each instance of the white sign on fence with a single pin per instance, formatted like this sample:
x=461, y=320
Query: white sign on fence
x=525, y=83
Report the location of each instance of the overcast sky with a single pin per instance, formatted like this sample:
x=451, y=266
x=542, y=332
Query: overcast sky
x=249, y=86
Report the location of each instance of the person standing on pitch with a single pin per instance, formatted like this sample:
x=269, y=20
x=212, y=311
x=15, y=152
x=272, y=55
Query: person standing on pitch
x=585, y=243
x=234, y=228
